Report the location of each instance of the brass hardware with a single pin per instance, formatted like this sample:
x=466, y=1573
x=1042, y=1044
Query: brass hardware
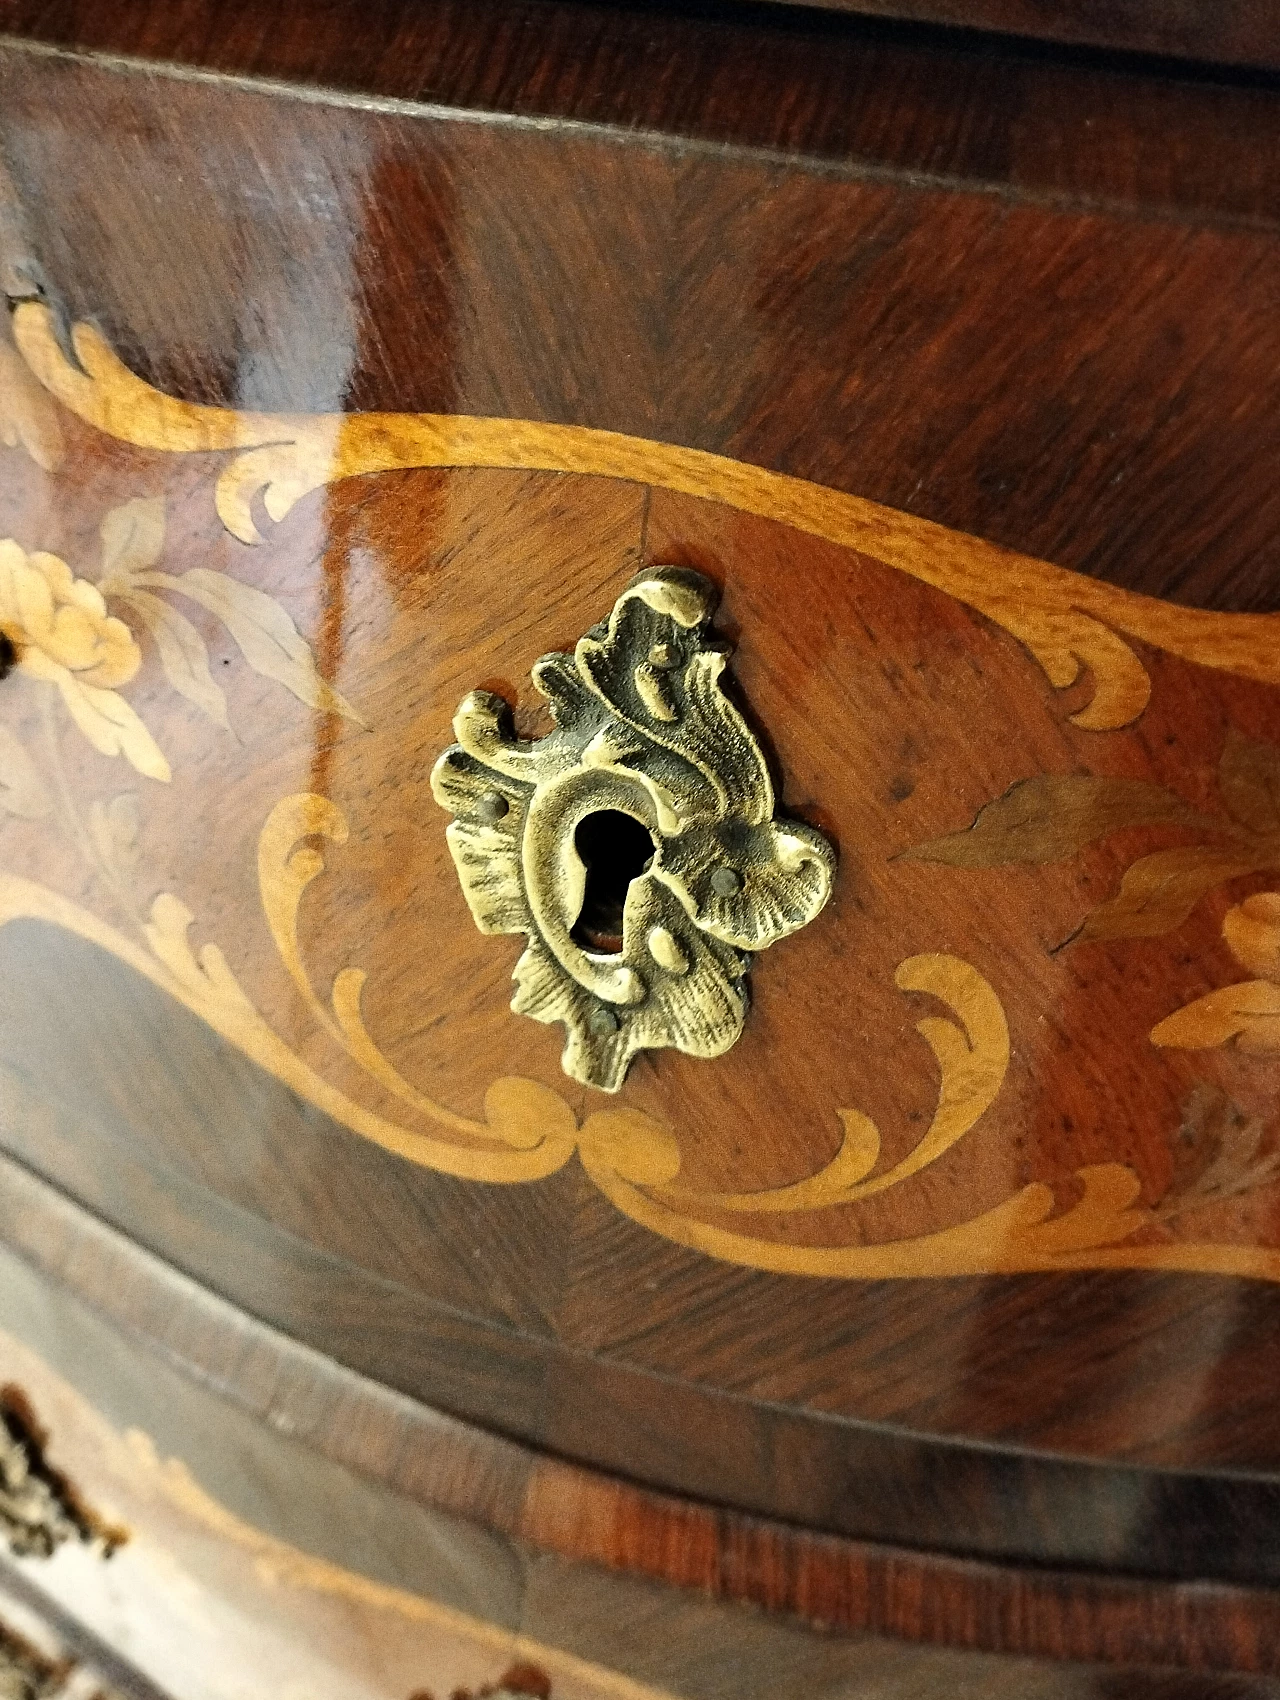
x=39, y=1509
x=643, y=730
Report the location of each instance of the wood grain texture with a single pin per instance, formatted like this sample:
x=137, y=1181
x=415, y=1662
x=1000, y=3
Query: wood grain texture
x=1026, y=300
x=238, y=1422
x=1240, y=32
x=565, y=1295
x=1117, y=235
x=278, y=459
x=802, y=82
x=209, y=1606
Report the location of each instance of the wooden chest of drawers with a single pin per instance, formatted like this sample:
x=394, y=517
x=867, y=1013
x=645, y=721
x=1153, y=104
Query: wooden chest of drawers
x=759, y=527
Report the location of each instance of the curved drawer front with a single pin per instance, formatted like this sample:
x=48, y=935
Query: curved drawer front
x=1032, y=1033
x=948, y=1219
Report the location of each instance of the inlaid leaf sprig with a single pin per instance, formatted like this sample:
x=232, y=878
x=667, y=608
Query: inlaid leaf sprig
x=22, y=791
x=113, y=829
x=1054, y=816
x=132, y=542
x=1218, y=1152
x=28, y=413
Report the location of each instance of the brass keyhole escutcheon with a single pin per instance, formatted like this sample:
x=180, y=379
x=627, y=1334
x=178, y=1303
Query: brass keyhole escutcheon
x=635, y=844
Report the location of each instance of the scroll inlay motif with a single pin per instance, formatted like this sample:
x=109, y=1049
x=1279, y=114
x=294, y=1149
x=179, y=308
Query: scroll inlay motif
x=85, y=633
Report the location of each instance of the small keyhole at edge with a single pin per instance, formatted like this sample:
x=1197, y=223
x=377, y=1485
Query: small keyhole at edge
x=615, y=849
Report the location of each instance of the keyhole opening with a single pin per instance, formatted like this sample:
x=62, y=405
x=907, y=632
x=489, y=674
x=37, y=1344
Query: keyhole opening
x=615, y=849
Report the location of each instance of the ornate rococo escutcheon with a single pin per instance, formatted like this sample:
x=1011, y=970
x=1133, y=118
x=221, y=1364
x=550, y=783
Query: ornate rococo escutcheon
x=643, y=729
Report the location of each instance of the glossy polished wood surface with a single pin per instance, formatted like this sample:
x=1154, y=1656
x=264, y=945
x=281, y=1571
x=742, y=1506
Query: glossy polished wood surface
x=1029, y=302
x=213, y=1440
x=1220, y=32
x=571, y=1274
x=1000, y=1284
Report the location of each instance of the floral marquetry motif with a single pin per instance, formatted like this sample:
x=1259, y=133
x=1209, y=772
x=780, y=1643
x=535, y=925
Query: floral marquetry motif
x=639, y=853
x=1247, y=1013
x=891, y=1109
x=643, y=732
x=59, y=631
